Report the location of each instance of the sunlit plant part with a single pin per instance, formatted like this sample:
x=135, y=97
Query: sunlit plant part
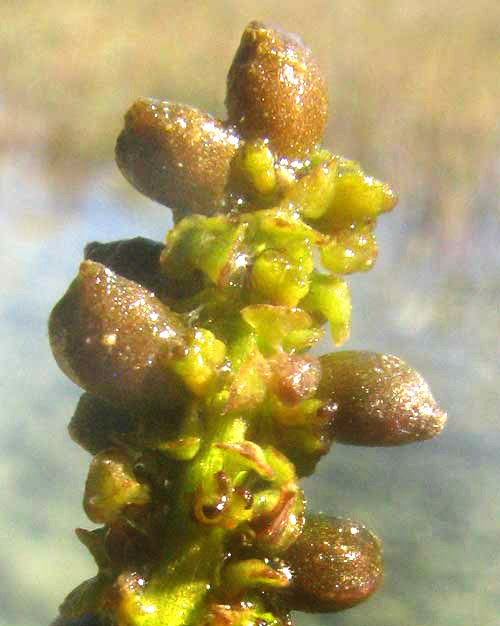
x=202, y=408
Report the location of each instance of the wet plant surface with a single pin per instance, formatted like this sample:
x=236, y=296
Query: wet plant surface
x=442, y=496
x=202, y=407
x=437, y=502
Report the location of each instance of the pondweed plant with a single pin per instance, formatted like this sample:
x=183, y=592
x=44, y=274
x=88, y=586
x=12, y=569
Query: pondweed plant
x=202, y=407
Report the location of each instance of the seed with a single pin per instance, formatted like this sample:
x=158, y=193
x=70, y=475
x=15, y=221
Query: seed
x=137, y=259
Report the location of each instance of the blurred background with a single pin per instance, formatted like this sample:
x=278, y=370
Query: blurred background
x=414, y=90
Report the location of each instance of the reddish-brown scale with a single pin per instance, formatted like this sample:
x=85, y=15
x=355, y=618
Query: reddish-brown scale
x=295, y=377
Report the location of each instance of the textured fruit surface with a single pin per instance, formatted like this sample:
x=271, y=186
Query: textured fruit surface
x=177, y=155
x=275, y=91
x=107, y=334
x=335, y=564
x=380, y=401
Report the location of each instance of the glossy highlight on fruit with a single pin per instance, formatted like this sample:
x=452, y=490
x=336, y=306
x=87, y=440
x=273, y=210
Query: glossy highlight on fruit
x=108, y=334
x=202, y=406
x=176, y=155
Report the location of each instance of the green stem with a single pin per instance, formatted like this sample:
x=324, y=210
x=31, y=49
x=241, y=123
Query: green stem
x=177, y=592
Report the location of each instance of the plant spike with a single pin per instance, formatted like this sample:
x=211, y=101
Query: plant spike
x=202, y=408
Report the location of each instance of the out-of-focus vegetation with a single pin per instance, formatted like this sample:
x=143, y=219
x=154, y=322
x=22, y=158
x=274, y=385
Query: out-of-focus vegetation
x=414, y=86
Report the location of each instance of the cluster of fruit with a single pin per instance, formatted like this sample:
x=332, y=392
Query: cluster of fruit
x=202, y=407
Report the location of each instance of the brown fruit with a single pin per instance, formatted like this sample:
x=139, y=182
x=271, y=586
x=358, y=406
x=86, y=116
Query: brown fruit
x=176, y=155
x=96, y=423
x=108, y=334
x=275, y=91
x=334, y=564
x=137, y=259
x=380, y=401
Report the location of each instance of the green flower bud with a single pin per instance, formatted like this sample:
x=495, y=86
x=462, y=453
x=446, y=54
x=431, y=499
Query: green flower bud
x=176, y=155
x=108, y=333
x=331, y=297
x=380, y=401
x=281, y=327
x=334, y=564
x=304, y=434
x=243, y=614
x=352, y=249
x=282, y=229
x=218, y=503
x=313, y=194
x=211, y=245
x=204, y=354
x=275, y=91
x=278, y=280
x=356, y=198
x=238, y=576
x=277, y=528
x=111, y=487
x=257, y=167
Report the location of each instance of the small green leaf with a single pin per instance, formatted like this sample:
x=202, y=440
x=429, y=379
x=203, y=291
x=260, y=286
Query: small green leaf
x=357, y=197
x=330, y=296
x=313, y=194
x=278, y=326
x=352, y=249
x=111, y=487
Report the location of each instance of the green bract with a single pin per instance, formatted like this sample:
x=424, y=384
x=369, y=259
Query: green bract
x=202, y=408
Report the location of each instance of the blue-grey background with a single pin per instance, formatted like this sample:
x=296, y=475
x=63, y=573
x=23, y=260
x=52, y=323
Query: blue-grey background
x=414, y=91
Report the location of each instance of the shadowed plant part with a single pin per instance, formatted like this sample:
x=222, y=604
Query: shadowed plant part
x=202, y=408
